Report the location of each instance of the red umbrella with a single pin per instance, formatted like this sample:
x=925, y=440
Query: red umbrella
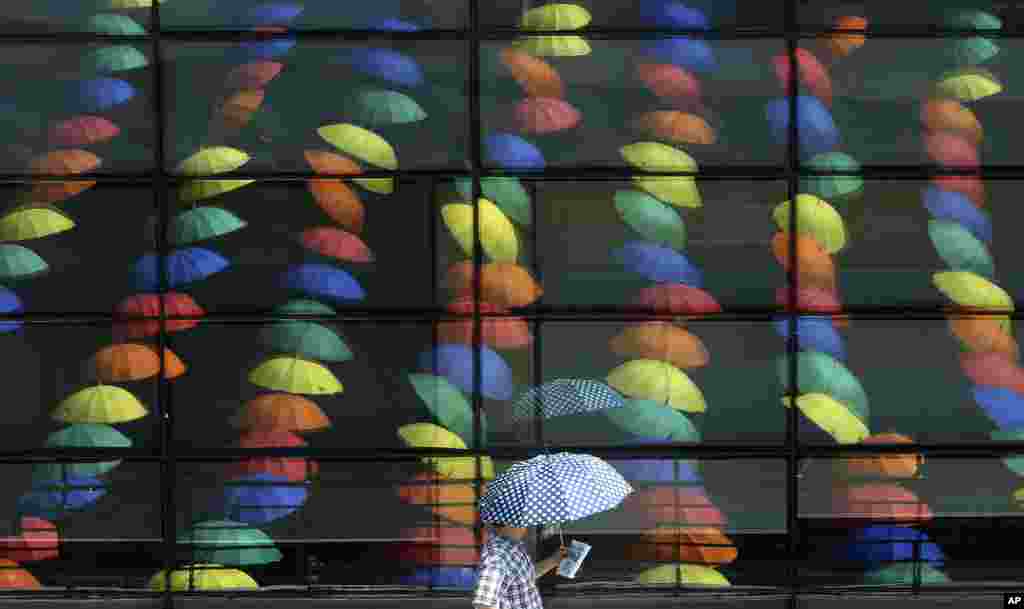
x=253, y=75
x=813, y=300
x=438, y=545
x=336, y=243
x=678, y=299
x=499, y=333
x=970, y=186
x=878, y=502
x=669, y=81
x=951, y=150
x=994, y=369
x=82, y=131
x=294, y=469
x=682, y=505
x=813, y=75
x=54, y=192
x=540, y=115
x=38, y=541
x=176, y=304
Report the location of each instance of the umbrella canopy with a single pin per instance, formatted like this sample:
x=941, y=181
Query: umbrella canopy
x=692, y=54
x=299, y=306
x=501, y=283
x=677, y=299
x=33, y=223
x=897, y=465
x=1005, y=407
x=281, y=412
x=339, y=202
x=672, y=15
x=669, y=81
x=497, y=333
x=655, y=156
x=175, y=304
x=696, y=545
x=376, y=107
x=261, y=498
x=815, y=218
x=967, y=289
x=543, y=115
x=38, y=540
x=657, y=471
x=448, y=405
x=227, y=542
x=972, y=51
x=113, y=58
x=680, y=506
x=202, y=223
x=813, y=76
x=291, y=469
x=81, y=435
x=663, y=341
x=534, y=75
x=323, y=281
x=1015, y=463
x=951, y=150
x=213, y=160
x=270, y=14
x=872, y=546
x=384, y=64
x=826, y=186
x=940, y=114
x=818, y=372
x=10, y=303
x=682, y=574
x=971, y=186
x=679, y=191
x=68, y=161
x=812, y=299
x=82, y=130
x=437, y=545
x=307, y=339
x=115, y=25
x=183, y=266
x=98, y=94
x=53, y=499
x=813, y=334
x=878, y=503
x=510, y=151
x=247, y=51
x=327, y=162
x=658, y=264
x=968, y=84
x=658, y=381
x=653, y=220
x=904, y=574
x=125, y=362
x=563, y=397
x=203, y=577
x=554, y=45
x=647, y=418
x=817, y=132
x=12, y=577
x=984, y=334
x=198, y=190
x=463, y=578
x=360, y=143
x=295, y=375
x=507, y=193
x=961, y=250
x=253, y=75
x=838, y=419
x=453, y=501
x=676, y=126
x=100, y=404
x=428, y=435
x=552, y=488
x=237, y=110
x=974, y=20
x=956, y=207
x=841, y=45
x=554, y=17
x=48, y=193
x=455, y=362
x=497, y=234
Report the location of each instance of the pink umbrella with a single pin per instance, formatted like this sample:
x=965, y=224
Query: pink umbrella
x=951, y=150
x=336, y=243
x=669, y=81
x=969, y=186
x=38, y=541
x=539, y=115
x=253, y=75
x=813, y=75
x=812, y=300
x=82, y=131
x=678, y=299
x=994, y=369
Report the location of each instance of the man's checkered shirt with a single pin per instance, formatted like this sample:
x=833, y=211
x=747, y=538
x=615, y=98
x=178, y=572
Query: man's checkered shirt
x=507, y=577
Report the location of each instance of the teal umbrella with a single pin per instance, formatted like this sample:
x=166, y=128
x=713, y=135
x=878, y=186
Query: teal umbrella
x=307, y=339
x=821, y=373
x=507, y=193
x=115, y=58
x=81, y=435
x=829, y=187
x=19, y=262
x=302, y=306
x=975, y=20
x=448, y=405
x=634, y=420
x=903, y=573
x=1015, y=463
x=961, y=250
x=972, y=51
x=115, y=25
x=226, y=542
x=652, y=219
x=201, y=223
x=376, y=107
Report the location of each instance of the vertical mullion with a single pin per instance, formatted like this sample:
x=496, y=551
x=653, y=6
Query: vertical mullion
x=792, y=186
x=536, y=368
x=475, y=166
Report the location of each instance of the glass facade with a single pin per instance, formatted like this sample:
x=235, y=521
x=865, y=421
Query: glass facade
x=284, y=286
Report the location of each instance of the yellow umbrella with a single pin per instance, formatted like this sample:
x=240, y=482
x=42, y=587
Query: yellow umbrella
x=969, y=85
x=553, y=46
x=686, y=574
x=555, y=17
x=655, y=156
x=678, y=191
x=816, y=218
x=100, y=404
x=658, y=381
x=295, y=375
x=429, y=435
x=203, y=576
x=360, y=143
x=197, y=190
x=974, y=291
x=497, y=234
x=832, y=416
x=381, y=186
x=33, y=223
x=213, y=160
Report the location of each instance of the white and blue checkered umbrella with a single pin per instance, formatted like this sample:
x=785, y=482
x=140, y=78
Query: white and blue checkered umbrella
x=562, y=397
x=552, y=488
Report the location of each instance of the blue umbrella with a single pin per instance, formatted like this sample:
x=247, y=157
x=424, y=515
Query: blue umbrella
x=322, y=280
x=271, y=14
x=184, y=266
x=99, y=94
x=690, y=53
x=9, y=303
x=262, y=498
x=512, y=152
x=566, y=397
x=675, y=15
x=553, y=488
x=52, y=499
x=816, y=131
x=1004, y=406
x=951, y=205
x=814, y=334
x=244, y=52
x=455, y=362
x=441, y=576
x=883, y=543
x=657, y=470
x=658, y=263
x=384, y=64
x=394, y=25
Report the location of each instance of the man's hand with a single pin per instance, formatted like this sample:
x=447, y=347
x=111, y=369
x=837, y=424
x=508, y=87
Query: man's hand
x=552, y=561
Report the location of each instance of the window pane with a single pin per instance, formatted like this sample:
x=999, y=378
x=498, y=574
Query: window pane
x=322, y=15
x=696, y=14
x=879, y=13
x=55, y=16
x=425, y=127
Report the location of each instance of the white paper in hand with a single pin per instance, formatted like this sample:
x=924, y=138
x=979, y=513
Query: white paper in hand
x=571, y=564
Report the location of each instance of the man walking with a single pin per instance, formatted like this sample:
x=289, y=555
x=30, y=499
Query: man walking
x=507, y=576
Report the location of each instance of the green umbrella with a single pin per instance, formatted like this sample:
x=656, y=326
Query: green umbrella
x=1016, y=464
x=115, y=25
x=507, y=193
x=635, y=418
x=203, y=223
x=903, y=573
x=961, y=250
x=19, y=262
x=116, y=58
x=81, y=435
x=229, y=543
x=975, y=20
x=448, y=405
x=821, y=373
x=972, y=51
x=655, y=221
x=376, y=107
x=307, y=339
x=829, y=187
x=301, y=306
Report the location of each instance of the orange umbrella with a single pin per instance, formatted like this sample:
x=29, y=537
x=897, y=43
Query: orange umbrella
x=13, y=576
x=253, y=75
x=58, y=162
x=878, y=502
x=696, y=545
x=994, y=369
x=983, y=334
x=323, y=161
x=898, y=465
x=534, y=75
x=133, y=362
x=971, y=186
x=814, y=264
x=237, y=110
x=294, y=469
x=38, y=541
x=339, y=202
x=950, y=115
x=438, y=545
x=47, y=193
x=842, y=45
x=676, y=126
x=502, y=283
x=499, y=333
x=281, y=412
x=813, y=75
x=678, y=505
x=663, y=341
x=452, y=500
x=669, y=81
